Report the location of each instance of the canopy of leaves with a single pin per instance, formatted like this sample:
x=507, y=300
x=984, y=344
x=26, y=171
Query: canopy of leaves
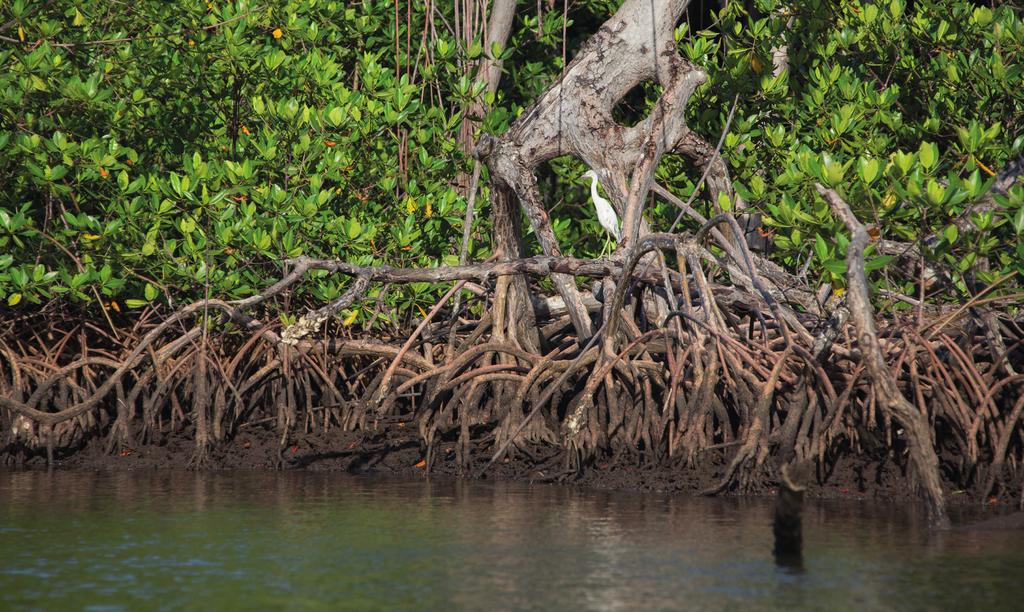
x=156, y=151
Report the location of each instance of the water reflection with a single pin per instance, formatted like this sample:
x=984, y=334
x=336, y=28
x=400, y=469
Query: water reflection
x=315, y=540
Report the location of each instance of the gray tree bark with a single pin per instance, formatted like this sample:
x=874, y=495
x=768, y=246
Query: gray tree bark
x=574, y=117
x=915, y=423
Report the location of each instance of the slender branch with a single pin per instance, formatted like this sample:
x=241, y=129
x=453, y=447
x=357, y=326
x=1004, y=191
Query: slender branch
x=914, y=422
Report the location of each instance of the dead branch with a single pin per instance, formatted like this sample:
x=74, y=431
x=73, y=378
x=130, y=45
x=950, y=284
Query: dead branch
x=914, y=422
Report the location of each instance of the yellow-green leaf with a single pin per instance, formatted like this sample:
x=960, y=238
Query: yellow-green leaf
x=928, y=154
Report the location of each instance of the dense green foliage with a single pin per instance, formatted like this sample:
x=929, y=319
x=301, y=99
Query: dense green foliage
x=907, y=113
x=155, y=152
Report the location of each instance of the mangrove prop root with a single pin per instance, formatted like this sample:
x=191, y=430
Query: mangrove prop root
x=722, y=376
x=719, y=362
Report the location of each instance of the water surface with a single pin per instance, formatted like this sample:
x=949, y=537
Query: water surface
x=303, y=541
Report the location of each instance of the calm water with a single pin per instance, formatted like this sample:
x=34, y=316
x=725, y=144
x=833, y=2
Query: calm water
x=326, y=541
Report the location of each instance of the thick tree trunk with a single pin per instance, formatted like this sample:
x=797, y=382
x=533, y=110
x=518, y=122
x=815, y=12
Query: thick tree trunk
x=574, y=117
x=513, y=316
x=515, y=320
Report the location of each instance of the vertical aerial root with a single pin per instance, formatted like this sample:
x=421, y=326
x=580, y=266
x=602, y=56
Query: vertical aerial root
x=753, y=450
x=999, y=453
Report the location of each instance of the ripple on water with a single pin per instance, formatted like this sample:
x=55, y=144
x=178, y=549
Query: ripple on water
x=310, y=541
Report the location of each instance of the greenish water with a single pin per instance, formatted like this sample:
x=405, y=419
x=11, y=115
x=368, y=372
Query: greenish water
x=176, y=540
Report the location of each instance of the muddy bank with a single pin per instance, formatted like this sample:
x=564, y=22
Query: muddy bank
x=708, y=398
x=398, y=451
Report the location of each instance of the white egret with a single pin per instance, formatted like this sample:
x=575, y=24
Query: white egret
x=605, y=213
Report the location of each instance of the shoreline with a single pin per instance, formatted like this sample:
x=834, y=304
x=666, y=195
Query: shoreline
x=397, y=452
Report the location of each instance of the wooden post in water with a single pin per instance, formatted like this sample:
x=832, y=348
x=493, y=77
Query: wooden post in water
x=788, y=525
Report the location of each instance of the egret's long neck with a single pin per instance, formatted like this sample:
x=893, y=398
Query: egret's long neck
x=593, y=187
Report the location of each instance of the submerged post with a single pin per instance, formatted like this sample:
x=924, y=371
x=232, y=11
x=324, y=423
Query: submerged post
x=788, y=524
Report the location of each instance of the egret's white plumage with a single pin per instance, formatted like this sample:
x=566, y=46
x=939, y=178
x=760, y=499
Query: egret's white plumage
x=605, y=213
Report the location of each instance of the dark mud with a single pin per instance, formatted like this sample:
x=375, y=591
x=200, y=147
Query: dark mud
x=398, y=451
